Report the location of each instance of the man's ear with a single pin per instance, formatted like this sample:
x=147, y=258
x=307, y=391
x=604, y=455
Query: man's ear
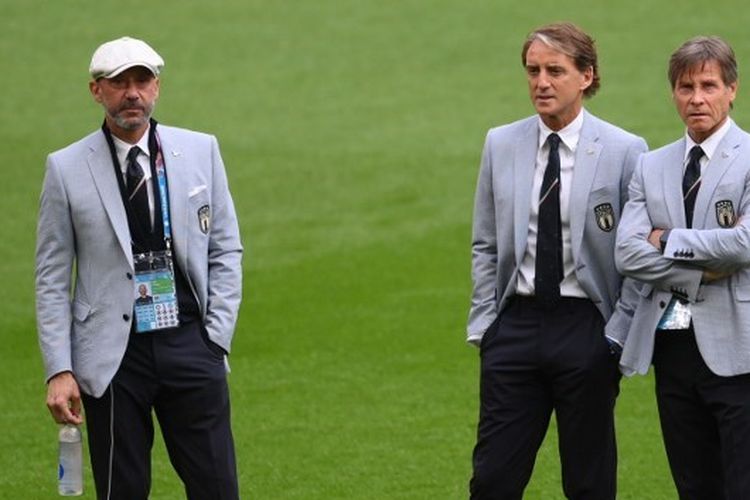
x=588, y=78
x=95, y=90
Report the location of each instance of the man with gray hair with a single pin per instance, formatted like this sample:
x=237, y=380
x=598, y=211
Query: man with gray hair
x=549, y=311
x=133, y=207
x=685, y=234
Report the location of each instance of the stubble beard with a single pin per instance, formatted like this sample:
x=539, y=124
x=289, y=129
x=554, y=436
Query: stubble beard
x=132, y=123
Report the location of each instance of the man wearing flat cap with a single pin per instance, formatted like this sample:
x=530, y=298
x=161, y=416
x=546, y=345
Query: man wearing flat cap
x=136, y=205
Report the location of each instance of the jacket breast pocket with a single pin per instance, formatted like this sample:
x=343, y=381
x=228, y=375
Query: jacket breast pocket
x=199, y=217
x=604, y=208
x=723, y=211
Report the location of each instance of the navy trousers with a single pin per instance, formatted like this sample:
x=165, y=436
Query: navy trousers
x=536, y=360
x=178, y=374
x=705, y=421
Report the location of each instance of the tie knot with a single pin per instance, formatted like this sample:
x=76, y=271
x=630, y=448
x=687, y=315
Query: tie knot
x=553, y=140
x=696, y=153
x=132, y=167
x=133, y=154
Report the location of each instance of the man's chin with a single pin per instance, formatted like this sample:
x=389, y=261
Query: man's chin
x=545, y=108
x=131, y=123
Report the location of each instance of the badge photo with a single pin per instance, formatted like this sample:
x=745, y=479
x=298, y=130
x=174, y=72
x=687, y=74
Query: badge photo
x=725, y=213
x=605, y=217
x=204, y=218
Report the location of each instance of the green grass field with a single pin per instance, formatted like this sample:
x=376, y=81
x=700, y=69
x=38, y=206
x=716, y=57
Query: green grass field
x=352, y=132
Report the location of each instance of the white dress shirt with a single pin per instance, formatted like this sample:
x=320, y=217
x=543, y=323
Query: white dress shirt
x=569, y=136
x=708, y=146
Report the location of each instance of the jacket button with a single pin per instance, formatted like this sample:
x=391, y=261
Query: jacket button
x=129, y=275
x=126, y=317
x=662, y=304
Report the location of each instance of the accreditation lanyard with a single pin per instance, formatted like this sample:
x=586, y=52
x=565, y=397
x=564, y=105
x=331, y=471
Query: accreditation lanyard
x=161, y=178
x=158, y=171
x=155, y=291
x=155, y=303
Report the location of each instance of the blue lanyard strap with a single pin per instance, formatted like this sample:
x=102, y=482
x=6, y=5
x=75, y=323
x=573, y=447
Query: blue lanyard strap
x=161, y=177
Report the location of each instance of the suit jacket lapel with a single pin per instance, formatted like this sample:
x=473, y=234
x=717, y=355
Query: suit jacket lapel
x=174, y=163
x=102, y=171
x=672, y=173
x=584, y=170
x=723, y=157
x=524, y=164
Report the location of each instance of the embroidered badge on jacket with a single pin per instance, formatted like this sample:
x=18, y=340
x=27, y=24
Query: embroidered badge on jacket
x=605, y=216
x=204, y=218
x=725, y=213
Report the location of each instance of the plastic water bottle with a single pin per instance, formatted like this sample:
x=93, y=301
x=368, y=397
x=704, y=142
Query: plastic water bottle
x=70, y=465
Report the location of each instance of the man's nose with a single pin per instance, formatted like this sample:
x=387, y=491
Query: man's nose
x=131, y=91
x=697, y=97
x=543, y=80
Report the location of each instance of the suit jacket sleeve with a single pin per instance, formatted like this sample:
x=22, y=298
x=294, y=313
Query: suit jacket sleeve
x=55, y=252
x=618, y=326
x=483, y=253
x=224, y=259
x=718, y=248
x=635, y=257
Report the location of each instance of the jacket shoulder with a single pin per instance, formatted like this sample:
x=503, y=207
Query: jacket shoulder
x=81, y=147
x=659, y=154
x=183, y=135
x=514, y=130
x=611, y=130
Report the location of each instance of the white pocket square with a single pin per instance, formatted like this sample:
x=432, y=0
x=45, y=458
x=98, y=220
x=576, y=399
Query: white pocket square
x=196, y=190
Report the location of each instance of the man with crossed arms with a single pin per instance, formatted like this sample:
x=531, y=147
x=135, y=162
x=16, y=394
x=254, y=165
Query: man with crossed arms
x=685, y=234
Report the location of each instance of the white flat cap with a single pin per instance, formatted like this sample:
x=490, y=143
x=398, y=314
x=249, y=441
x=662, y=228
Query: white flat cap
x=112, y=58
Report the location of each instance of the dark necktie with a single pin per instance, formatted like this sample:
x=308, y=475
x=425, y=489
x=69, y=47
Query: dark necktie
x=549, y=269
x=691, y=182
x=137, y=194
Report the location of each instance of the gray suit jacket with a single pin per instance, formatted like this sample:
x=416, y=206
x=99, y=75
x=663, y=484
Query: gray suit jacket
x=720, y=309
x=83, y=234
x=604, y=162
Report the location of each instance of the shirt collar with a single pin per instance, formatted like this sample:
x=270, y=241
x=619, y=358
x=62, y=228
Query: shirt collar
x=569, y=134
x=122, y=147
x=709, y=145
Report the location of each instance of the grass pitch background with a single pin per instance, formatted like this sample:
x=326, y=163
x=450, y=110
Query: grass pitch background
x=351, y=131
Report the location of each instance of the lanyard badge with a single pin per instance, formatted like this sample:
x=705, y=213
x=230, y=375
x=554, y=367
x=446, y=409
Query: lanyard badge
x=155, y=302
x=676, y=317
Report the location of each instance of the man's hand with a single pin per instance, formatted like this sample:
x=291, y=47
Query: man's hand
x=654, y=238
x=615, y=349
x=64, y=399
x=710, y=275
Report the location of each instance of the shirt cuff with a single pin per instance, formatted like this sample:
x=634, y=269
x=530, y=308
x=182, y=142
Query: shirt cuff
x=663, y=239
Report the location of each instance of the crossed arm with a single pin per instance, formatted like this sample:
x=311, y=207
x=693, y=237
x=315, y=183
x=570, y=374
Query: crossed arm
x=678, y=258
